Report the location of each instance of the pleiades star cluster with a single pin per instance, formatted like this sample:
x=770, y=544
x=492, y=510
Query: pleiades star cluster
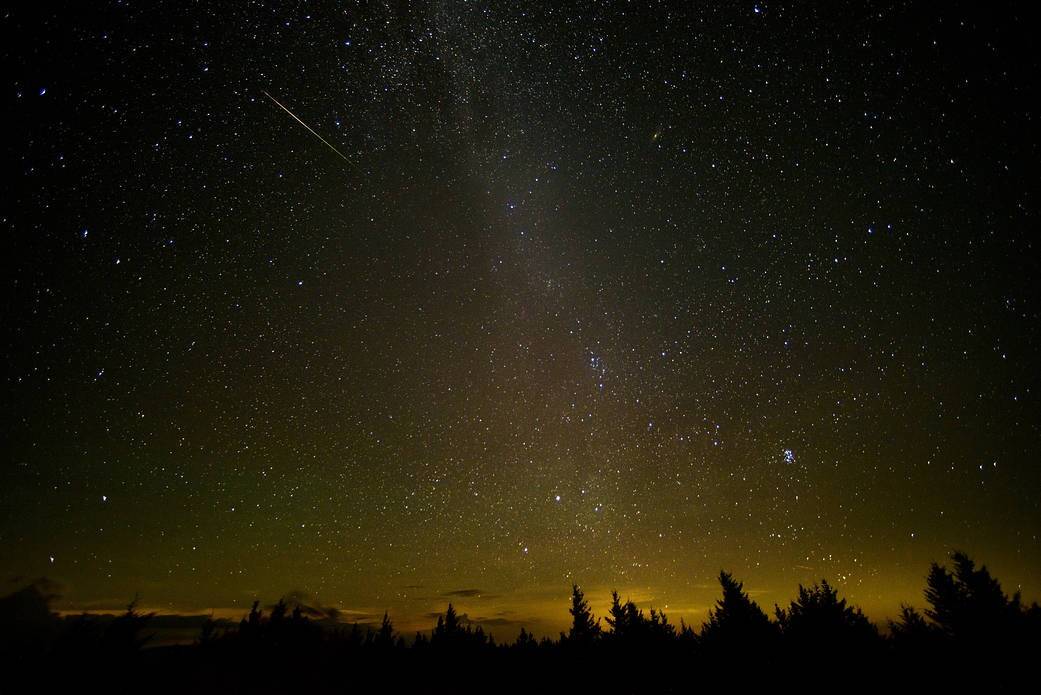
x=382, y=306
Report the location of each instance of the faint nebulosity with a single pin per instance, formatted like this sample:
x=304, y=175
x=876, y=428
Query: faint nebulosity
x=610, y=293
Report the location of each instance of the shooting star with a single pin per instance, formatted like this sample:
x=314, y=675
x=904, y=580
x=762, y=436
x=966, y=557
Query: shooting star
x=324, y=141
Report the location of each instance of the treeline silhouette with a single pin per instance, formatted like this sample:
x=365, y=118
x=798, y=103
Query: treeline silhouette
x=970, y=623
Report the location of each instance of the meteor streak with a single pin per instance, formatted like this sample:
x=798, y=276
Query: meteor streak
x=326, y=142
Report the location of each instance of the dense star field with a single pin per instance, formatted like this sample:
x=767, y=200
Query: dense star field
x=611, y=293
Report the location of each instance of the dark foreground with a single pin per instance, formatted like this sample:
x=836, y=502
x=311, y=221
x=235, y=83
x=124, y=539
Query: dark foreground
x=971, y=634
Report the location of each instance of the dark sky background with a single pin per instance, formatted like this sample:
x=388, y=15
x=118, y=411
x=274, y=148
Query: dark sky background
x=613, y=293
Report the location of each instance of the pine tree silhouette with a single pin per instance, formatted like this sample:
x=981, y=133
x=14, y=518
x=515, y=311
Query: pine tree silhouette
x=525, y=640
x=629, y=626
x=385, y=635
x=585, y=630
x=626, y=620
x=123, y=636
x=912, y=633
x=250, y=625
x=686, y=635
x=818, y=617
x=278, y=612
x=659, y=629
x=737, y=620
x=449, y=631
x=451, y=624
x=968, y=605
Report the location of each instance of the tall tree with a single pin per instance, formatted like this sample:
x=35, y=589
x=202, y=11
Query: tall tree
x=659, y=627
x=820, y=618
x=585, y=629
x=525, y=640
x=737, y=620
x=912, y=633
x=968, y=604
x=385, y=636
x=449, y=631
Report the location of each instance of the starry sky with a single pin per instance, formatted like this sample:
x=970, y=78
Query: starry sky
x=615, y=293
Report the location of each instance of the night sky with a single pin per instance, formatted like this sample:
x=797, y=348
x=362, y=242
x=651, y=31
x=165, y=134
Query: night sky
x=613, y=293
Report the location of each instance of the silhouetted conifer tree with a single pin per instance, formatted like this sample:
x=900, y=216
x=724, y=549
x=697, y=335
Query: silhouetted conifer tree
x=250, y=625
x=451, y=624
x=585, y=629
x=659, y=629
x=629, y=625
x=819, y=618
x=912, y=632
x=385, y=636
x=123, y=635
x=737, y=620
x=525, y=640
x=278, y=613
x=449, y=632
x=686, y=635
x=969, y=606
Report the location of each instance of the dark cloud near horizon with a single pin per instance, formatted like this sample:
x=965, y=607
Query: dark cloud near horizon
x=51, y=589
x=469, y=593
x=309, y=605
x=496, y=622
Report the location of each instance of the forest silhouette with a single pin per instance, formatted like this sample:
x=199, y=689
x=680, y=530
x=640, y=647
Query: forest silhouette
x=969, y=627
